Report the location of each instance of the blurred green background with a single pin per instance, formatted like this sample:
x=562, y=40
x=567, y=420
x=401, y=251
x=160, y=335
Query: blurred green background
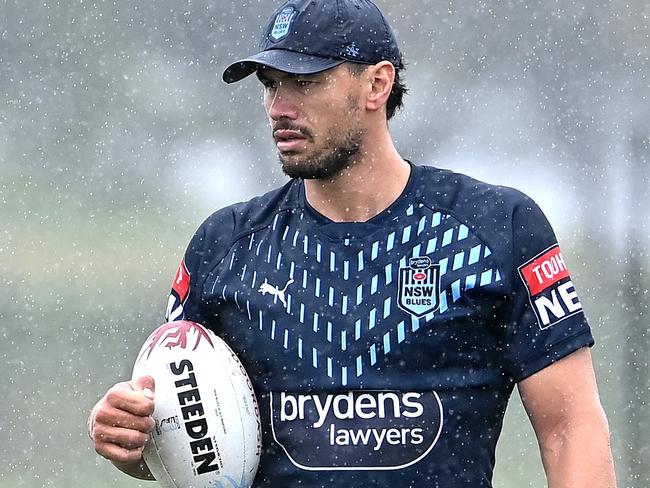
x=117, y=138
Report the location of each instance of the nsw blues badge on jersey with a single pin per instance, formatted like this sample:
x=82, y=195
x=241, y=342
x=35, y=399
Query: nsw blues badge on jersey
x=283, y=23
x=419, y=286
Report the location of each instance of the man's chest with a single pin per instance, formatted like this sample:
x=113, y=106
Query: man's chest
x=413, y=296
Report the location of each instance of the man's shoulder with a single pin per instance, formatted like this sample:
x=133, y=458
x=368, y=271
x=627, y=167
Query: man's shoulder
x=458, y=192
x=246, y=216
x=489, y=210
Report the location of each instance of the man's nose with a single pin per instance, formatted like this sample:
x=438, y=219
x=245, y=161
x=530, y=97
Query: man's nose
x=282, y=104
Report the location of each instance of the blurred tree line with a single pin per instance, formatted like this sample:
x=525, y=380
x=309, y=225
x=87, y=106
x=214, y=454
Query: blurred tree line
x=117, y=138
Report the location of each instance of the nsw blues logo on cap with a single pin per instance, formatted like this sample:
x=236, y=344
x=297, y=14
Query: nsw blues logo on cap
x=283, y=23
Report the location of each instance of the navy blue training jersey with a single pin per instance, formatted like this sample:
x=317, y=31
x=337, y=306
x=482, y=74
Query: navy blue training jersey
x=385, y=351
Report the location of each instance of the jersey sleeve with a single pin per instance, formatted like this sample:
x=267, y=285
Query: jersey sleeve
x=206, y=248
x=546, y=320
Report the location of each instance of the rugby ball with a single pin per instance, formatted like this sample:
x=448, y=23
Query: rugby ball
x=207, y=432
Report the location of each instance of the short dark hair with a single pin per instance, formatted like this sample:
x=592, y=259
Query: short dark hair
x=396, y=98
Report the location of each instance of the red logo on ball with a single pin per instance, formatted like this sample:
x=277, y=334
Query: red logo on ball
x=175, y=334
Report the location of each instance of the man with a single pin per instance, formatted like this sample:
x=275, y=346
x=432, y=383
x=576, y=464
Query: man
x=383, y=310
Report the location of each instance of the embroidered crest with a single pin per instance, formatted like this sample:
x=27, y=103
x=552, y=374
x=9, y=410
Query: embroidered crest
x=419, y=286
x=283, y=23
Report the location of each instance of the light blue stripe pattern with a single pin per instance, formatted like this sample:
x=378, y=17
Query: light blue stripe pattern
x=422, y=224
x=406, y=235
x=373, y=284
x=443, y=266
x=387, y=307
x=447, y=237
x=391, y=241
x=315, y=322
x=458, y=261
x=470, y=282
x=486, y=277
x=455, y=290
x=373, y=355
x=474, y=255
x=374, y=252
x=431, y=245
x=401, y=333
x=387, y=342
x=415, y=323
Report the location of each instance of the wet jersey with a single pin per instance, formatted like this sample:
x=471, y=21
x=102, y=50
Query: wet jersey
x=384, y=351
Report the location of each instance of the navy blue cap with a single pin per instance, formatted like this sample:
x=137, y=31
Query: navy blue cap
x=309, y=36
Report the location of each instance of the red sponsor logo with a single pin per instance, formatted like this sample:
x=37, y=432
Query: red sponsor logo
x=544, y=270
x=181, y=283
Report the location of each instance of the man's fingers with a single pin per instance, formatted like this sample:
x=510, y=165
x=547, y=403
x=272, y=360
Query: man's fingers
x=114, y=417
x=126, y=438
x=123, y=397
x=115, y=452
x=145, y=384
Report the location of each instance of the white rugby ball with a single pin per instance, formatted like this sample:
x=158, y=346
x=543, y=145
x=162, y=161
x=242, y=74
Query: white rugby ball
x=207, y=432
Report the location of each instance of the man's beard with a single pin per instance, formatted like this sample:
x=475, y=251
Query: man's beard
x=338, y=156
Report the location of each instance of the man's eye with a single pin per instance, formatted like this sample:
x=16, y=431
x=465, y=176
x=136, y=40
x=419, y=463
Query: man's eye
x=304, y=83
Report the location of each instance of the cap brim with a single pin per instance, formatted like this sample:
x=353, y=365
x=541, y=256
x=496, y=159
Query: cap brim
x=286, y=61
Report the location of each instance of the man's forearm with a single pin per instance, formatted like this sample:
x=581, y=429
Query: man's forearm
x=578, y=455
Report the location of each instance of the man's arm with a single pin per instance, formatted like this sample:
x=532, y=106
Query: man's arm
x=572, y=431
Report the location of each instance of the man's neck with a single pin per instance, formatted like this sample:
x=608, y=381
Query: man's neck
x=369, y=186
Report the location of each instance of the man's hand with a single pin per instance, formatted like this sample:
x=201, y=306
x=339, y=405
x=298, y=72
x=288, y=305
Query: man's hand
x=120, y=423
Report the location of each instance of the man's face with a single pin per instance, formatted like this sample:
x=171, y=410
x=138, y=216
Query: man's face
x=316, y=120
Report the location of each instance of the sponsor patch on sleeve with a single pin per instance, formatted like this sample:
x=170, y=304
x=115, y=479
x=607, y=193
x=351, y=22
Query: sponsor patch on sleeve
x=550, y=289
x=182, y=281
x=179, y=293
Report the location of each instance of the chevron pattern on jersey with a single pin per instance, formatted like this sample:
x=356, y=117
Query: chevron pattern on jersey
x=340, y=296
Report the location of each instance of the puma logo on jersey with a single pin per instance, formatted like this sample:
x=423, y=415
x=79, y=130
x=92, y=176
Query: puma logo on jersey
x=266, y=287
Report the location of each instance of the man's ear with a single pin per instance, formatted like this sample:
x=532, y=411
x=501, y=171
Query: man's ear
x=381, y=77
